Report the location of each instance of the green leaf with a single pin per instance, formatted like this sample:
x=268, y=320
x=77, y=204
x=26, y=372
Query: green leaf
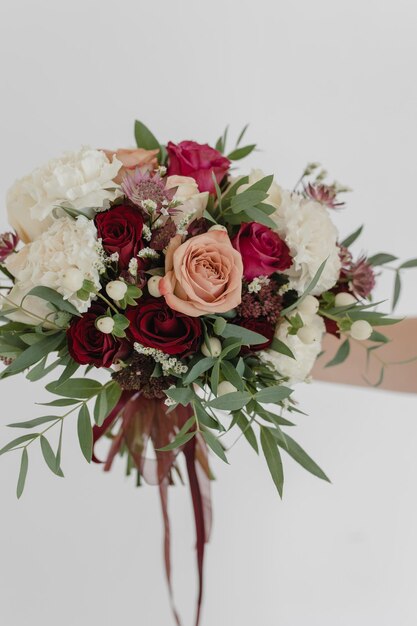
x=49, y=456
x=242, y=134
x=199, y=368
x=231, y=401
x=397, y=290
x=69, y=370
x=263, y=184
x=106, y=401
x=279, y=346
x=215, y=445
x=24, y=464
x=144, y=137
x=75, y=388
x=341, y=355
x=299, y=455
x=59, y=402
x=309, y=288
x=257, y=215
x=180, y=440
x=16, y=442
x=214, y=378
x=85, y=433
x=204, y=418
x=181, y=395
x=35, y=422
x=247, y=337
x=55, y=298
x=352, y=238
x=273, y=394
x=408, y=264
x=34, y=353
x=247, y=200
x=381, y=258
x=230, y=374
x=273, y=458
x=379, y=337
x=219, y=325
x=241, y=153
x=247, y=430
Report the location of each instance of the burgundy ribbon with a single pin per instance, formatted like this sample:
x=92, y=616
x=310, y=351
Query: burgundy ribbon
x=142, y=420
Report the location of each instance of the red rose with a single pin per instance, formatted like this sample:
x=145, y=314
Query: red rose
x=120, y=229
x=258, y=325
x=189, y=158
x=90, y=346
x=263, y=251
x=155, y=325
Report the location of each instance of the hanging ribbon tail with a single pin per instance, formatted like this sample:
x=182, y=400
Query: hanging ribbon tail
x=199, y=516
x=99, y=431
x=163, y=492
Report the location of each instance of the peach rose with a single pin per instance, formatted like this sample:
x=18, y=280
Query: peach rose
x=202, y=275
x=132, y=158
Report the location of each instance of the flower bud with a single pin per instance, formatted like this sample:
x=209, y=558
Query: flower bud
x=308, y=335
x=361, y=330
x=105, y=325
x=213, y=348
x=309, y=306
x=153, y=286
x=73, y=279
x=218, y=227
x=225, y=387
x=116, y=289
x=344, y=299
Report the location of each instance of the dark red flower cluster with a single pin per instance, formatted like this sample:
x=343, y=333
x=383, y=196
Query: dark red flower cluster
x=266, y=304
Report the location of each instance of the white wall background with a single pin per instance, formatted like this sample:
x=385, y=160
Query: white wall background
x=324, y=80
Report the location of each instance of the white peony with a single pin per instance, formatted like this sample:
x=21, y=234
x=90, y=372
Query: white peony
x=80, y=179
x=66, y=246
x=193, y=202
x=311, y=237
x=296, y=370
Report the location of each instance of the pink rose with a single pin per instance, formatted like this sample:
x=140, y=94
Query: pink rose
x=132, y=158
x=202, y=275
x=263, y=251
x=189, y=158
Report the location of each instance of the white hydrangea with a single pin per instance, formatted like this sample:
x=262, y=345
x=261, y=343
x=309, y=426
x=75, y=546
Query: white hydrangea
x=296, y=370
x=311, y=237
x=67, y=244
x=82, y=179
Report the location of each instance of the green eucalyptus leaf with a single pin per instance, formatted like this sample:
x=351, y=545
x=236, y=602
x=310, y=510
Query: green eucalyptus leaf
x=341, y=355
x=273, y=458
x=352, y=238
x=397, y=290
x=85, y=433
x=246, y=336
x=24, y=464
x=214, y=444
x=17, y=442
x=231, y=401
x=75, y=388
x=34, y=353
x=279, y=346
x=247, y=431
x=273, y=394
x=241, y=153
x=302, y=458
x=381, y=258
x=180, y=440
x=309, y=288
x=146, y=139
x=49, y=456
x=408, y=264
x=198, y=369
x=230, y=374
x=55, y=298
x=181, y=395
x=35, y=422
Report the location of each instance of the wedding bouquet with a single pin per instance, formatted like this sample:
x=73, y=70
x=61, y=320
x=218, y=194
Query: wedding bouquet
x=204, y=294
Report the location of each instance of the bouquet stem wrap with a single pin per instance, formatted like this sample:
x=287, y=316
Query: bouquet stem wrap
x=139, y=421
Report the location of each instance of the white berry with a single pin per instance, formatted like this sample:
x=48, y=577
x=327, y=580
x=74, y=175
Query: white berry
x=225, y=387
x=116, y=289
x=344, y=299
x=361, y=330
x=213, y=348
x=153, y=286
x=308, y=335
x=73, y=279
x=309, y=306
x=218, y=227
x=105, y=325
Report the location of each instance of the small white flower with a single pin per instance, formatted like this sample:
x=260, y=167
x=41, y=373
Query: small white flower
x=257, y=283
x=148, y=253
x=133, y=267
x=149, y=205
x=146, y=233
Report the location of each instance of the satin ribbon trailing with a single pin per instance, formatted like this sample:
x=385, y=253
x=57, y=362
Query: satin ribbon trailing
x=142, y=421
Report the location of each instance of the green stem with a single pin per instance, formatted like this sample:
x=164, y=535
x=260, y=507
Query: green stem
x=21, y=308
x=108, y=303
